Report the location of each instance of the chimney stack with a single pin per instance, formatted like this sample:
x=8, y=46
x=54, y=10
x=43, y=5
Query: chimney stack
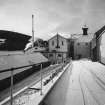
x=85, y=29
x=32, y=30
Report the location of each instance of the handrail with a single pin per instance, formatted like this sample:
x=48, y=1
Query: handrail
x=15, y=68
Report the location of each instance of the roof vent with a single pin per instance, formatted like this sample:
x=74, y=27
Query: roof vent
x=85, y=29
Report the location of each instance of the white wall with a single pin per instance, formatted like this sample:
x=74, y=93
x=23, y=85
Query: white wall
x=102, y=48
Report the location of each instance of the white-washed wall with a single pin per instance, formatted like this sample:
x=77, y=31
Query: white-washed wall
x=102, y=48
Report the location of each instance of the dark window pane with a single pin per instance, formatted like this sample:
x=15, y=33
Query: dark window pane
x=78, y=43
x=59, y=55
x=53, y=43
x=51, y=55
x=86, y=44
x=62, y=43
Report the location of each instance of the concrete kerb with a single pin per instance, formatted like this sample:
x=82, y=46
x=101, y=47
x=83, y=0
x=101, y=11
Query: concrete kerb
x=65, y=68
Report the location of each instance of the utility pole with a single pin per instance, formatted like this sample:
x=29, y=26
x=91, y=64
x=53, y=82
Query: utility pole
x=41, y=78
x=11, y=88
x=32, y=30
x=57, y=47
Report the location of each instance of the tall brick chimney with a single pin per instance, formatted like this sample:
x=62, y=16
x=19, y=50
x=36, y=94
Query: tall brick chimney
x=85, y=29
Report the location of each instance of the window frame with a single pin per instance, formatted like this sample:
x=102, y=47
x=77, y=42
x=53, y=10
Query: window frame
x=78, y=43
x=62, y=43
x=59, y=55
x=86, y=44
x=53, y=43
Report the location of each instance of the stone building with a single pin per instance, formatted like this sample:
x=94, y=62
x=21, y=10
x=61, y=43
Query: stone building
x=84, y=45
x=73, y=38
x=58, y=49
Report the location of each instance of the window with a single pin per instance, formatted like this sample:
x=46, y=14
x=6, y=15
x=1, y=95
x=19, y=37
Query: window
x=86, y=44
x=59, y=55
x=50, y=55
x=36, y=48
x=78, y=44
x=62, y=43
x=52, y=43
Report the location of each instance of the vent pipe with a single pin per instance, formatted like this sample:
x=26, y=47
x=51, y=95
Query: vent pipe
x=32, y=30
x=85, y=29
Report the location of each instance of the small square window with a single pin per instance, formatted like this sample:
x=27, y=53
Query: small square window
x=62, y=43
x=51, y=55
x=78, y=44
x=59, y=55
x=86, y=44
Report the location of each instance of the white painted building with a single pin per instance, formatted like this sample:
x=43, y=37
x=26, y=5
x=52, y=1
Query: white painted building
x=58, y=49
x=100, y=39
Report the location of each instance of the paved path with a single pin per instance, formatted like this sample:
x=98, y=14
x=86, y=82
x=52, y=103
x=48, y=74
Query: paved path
x=84, y=85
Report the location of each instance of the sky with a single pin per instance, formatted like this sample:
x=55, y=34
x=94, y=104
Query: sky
x=51, y=16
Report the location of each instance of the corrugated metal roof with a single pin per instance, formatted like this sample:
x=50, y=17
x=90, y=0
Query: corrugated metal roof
x=10, y=52
x=12, y=61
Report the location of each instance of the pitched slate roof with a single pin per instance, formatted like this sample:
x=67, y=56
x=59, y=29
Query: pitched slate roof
x=86, y=38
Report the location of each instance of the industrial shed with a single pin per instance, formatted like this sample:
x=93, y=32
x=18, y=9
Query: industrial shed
x=18, y=60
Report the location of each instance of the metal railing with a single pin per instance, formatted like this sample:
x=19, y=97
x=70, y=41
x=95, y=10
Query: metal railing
x=15, y=68
x=12, y=69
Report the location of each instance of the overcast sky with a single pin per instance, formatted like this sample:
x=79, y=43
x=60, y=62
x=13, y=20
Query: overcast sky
x=51, y=16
